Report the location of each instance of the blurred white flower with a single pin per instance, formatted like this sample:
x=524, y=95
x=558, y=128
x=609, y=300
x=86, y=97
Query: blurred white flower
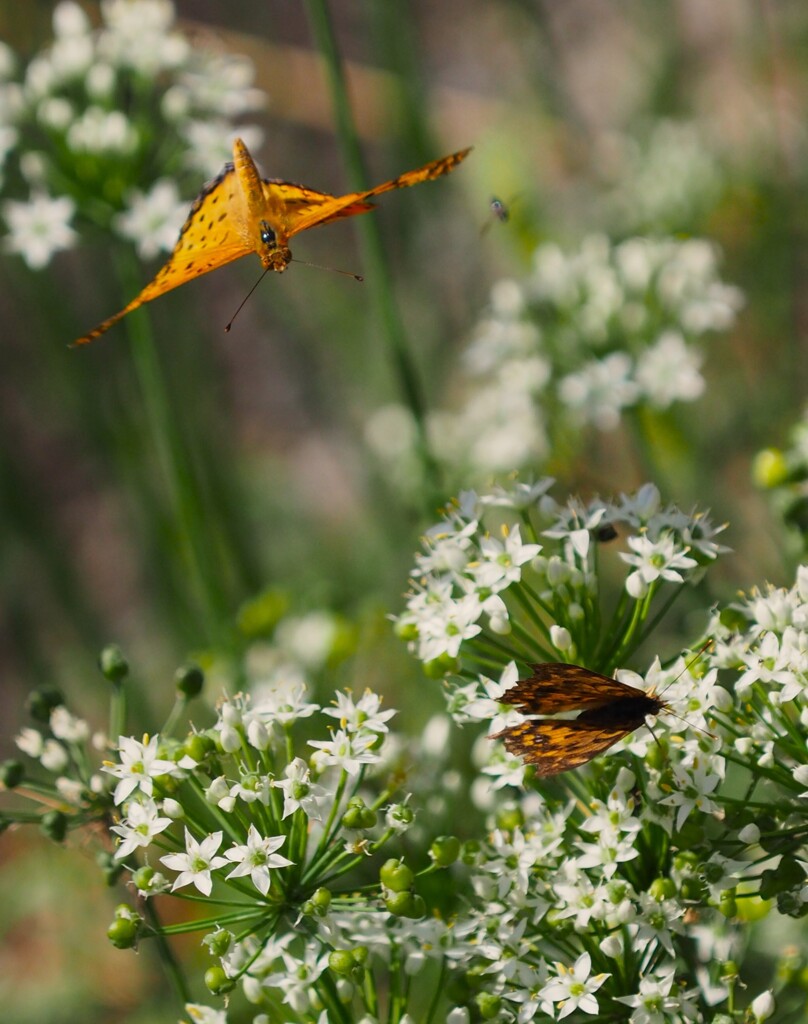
x=153, y=219
x=39, y=227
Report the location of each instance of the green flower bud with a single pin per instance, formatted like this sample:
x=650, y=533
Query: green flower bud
x=42, y=701
x=407, y=631
x=712, y=872
x=470, y=852
x=143, y=877
x=11, y=774
x=769, y=468
x=113, y=664
x=358, y=816
x=217, y=982
x=53, y=824
x=662, y=889
x=198, y=746
x=122, y=933
x=616, y=891
x=400, y=816
x=321, y=900
x=341, y=962
x=405, y=904
x=189, y=680
x=488, y=1004
x=396, y=876
x=441, y=666
x=734, y=619
x=686, y=860
x=727, y=904
x=219, y=942
x=510, y=818
x=445, y=850
x=692, y=890
x=728, y=971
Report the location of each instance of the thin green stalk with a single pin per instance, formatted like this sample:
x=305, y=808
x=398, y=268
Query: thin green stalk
x=166, y=954
x=379, y=277
x=437, y=995
x=117, y=712
x=175, y=464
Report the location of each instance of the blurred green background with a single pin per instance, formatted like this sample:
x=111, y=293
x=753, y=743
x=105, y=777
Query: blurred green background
x=100, y=539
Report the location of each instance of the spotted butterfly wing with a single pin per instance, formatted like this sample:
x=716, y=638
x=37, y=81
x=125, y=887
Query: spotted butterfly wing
x=357, y=202
x=610, y=710
x=239, y=212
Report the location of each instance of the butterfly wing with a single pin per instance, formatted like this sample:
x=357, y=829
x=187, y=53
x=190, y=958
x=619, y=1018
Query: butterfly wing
x=334, y=207
x=288, y=203
x=556, y=746
x=214, y=234
x=555, y=687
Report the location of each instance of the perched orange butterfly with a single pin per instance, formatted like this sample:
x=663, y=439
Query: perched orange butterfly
x=611, y=710
x=240, y=212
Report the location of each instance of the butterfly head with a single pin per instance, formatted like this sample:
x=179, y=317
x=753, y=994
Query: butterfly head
x=274, y=253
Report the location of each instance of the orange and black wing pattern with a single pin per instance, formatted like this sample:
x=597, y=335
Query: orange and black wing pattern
x=610, y=710
x=214, y=233
x=555, y=687
x=239, y=212
x=357, y=202
x=294, y=203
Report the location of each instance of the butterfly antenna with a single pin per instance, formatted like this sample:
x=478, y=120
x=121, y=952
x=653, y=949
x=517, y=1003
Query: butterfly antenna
x=689, y=665
x=688, y=723
x=650, y=728
x=243, y=301
x=335, y=270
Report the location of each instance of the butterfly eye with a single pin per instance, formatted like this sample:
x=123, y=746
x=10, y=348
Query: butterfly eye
x=267, y=234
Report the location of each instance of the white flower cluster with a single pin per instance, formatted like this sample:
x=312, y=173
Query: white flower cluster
x=765, y=639
x=574, y=864
x=585, y=336
x=619, y=321
x=62, y=752
x=514, y=574
x=662, y=182
x=667, y=818
x=249, y=732
x=91, y=117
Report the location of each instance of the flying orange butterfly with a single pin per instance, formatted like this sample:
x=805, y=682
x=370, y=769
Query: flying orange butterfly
x=240, y=212
x=611, y=710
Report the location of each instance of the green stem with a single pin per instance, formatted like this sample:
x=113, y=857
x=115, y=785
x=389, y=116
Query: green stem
x=437, y=994
x=175, y=463
x=169, y=961
x=117, y=712
x=379, y=277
